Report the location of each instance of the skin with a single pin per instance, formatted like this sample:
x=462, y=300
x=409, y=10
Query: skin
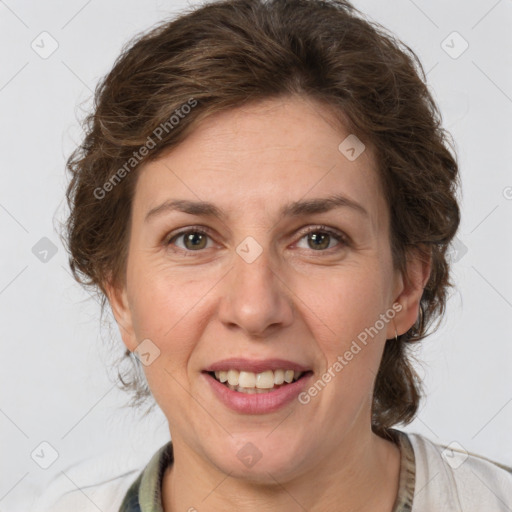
x=293, y=302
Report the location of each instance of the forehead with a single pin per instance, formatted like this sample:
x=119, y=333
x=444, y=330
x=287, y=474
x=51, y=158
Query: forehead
x=263, y=156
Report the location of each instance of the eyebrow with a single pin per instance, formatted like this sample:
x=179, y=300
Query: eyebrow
x=293, y=209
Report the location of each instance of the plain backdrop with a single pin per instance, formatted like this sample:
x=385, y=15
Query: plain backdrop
x=55, y=386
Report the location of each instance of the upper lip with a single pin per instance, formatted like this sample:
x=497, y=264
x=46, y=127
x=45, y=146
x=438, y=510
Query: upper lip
x=256, y=366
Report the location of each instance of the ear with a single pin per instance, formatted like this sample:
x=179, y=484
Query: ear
x=410, y=290
x=118, y=300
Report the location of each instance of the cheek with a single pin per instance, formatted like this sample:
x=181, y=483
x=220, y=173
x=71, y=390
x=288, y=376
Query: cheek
x=164, y=309
x=348, y=308
x=346, y=301
x=163, y=301
x=345, y=312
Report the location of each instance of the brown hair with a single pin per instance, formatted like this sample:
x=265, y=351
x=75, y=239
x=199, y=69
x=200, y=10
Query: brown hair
x=227, y=53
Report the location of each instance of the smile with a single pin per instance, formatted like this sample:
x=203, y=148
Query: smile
x=251, y=382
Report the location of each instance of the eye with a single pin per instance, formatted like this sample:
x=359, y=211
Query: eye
x=321, y=238
x=194, y=239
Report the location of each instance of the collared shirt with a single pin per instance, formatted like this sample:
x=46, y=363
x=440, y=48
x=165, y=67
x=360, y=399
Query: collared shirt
x=433, y=478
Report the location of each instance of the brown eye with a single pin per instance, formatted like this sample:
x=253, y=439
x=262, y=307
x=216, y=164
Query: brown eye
x=193, y=240
x=319, y=239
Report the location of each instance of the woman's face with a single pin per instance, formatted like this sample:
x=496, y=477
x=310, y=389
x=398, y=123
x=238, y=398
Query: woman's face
x=257, y=288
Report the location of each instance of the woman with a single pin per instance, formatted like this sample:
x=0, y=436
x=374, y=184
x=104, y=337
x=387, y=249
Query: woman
x=265, y=197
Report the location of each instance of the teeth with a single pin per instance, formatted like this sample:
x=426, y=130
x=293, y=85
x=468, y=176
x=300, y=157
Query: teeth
x=233, y=377
x=247, y=380
x=264, y=380
x=278, y=377
x=288, y=376
x=253, y=382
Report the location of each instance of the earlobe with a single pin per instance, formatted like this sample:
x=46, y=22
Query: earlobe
x=118, y=300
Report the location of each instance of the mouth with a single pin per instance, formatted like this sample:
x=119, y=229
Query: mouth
x=257, y=383
x=257, y=386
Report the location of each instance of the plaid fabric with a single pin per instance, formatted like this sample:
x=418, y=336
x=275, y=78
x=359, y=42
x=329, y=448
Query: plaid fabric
x=145, y=494
x=407, y=480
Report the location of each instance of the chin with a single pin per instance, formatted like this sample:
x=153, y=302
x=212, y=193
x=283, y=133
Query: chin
x=257, y=459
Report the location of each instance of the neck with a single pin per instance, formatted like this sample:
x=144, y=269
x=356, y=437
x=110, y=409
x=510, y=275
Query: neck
x=360, y=474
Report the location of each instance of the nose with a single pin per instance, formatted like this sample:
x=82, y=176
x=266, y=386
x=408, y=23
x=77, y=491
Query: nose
x=255, y=297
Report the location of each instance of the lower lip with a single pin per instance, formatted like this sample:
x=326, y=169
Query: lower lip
x=257, y=403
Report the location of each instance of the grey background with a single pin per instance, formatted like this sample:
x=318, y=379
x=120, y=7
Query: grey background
x=55, y=386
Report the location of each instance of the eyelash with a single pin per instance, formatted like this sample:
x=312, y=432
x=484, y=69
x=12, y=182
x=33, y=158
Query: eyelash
x=337, y=235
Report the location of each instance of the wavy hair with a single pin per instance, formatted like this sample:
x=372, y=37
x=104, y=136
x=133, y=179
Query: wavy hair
x=228, y=53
